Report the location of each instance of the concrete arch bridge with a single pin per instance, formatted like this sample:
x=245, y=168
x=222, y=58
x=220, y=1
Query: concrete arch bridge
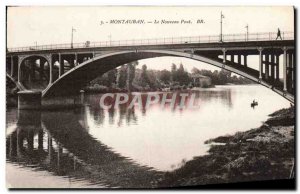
x=63, y=69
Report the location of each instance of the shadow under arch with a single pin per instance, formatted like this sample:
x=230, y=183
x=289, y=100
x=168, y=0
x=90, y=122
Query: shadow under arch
x=72, y=81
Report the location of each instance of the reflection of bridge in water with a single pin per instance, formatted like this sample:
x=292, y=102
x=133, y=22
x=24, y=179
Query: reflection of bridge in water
x=64, y=70
x=71, y=151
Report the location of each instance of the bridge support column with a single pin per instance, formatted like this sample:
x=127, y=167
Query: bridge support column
x=12, y=66
x=289, y=71
x=76, y=59
x=232, y=58
x=260, y=49
x=71, y=61
x=19, y=142
x=30, y=140
x=245, y=60
x=51, y=70
x=224, y=55
x=284, y=68
x=293, y=73
x=240, y=59
x=82, y=97
x=59, y=155
x=41, y=139
x=50, y=147
x=19, y=69
x=29, y=100
x=277, y=68
x=272, y=68
x=267, y=66
x=61, y=65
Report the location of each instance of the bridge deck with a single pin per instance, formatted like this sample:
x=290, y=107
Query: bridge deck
x=229, y=40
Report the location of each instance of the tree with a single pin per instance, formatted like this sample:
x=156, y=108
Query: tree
x=144, y=79
x=111, y=77
x=182, y=76
x=121, y=76
x=173, y=72
x=165, y=76
x=130, y=74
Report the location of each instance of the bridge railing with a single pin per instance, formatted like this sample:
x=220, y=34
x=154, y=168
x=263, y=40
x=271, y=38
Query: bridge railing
x=269, y=36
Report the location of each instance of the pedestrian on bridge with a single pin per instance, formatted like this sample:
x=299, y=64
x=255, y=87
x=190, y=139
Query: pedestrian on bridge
x=278, y=35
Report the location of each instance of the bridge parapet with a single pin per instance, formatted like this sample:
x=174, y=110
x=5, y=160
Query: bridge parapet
x=251, y=37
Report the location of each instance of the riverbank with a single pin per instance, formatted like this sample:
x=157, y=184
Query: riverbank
x=263, y=153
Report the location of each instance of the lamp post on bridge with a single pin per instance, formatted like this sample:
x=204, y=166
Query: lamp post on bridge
x=109, y=39
x=247, y=32
x=221, y=35
x=73, y=30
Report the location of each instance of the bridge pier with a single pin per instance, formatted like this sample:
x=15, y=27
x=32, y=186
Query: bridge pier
x=41, y=139
x=232, y=58
x=289, y=71
x=61, y=65
x=239, y=59
x=284, y=68
x=245, y=60
x=50, y=147
x=272, y=68
x=76, y=59
x=266, y=66
x=277, y=68
x=51, y=70
x=224, y=55
x=12, y=66
x=29, y=100
x=293, y=73
x=30, y=139
x=260, y=49
x=59, y=155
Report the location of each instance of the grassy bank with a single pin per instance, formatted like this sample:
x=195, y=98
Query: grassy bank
x=263, y=153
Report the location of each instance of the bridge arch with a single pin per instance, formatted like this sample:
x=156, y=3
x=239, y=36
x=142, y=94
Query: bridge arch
x=12, y=81
x=34, y=71
x=73, y=80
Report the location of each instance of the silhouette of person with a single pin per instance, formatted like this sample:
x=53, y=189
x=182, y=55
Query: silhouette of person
x=278, y=35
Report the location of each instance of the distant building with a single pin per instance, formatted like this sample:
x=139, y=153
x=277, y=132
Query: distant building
x=201, y=80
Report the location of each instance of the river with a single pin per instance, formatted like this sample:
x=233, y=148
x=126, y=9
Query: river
x=125, y=147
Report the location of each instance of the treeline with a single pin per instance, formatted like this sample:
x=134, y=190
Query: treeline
x=130, y=77
x=222, y=77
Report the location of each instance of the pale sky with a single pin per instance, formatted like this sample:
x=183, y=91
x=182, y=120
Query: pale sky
x=52, y=25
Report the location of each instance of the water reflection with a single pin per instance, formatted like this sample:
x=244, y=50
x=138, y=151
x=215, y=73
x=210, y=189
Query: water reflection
x=71, y=151
x=127, y=114
x=129, y=147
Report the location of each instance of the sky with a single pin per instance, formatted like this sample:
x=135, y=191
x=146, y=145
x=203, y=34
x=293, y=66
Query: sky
x=27, y=26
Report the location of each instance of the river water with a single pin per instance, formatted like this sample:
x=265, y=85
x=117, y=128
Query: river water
x=125, y=147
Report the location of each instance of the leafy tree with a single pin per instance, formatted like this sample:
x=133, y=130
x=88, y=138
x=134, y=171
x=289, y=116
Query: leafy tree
x=131, y=72
x=144, y=79
x=173, y=72
x=121, y=76
x=165, y=76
